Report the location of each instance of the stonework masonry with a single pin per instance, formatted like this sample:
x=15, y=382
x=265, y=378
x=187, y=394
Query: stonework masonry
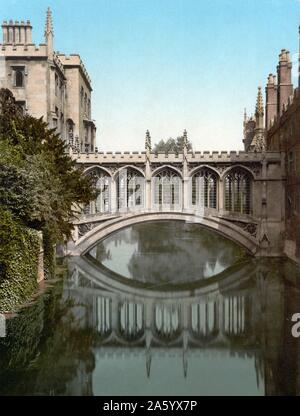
x=46, y=83
x=256, y=191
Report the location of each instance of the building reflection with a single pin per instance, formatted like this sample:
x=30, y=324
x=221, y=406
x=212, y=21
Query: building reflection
x=247, y=313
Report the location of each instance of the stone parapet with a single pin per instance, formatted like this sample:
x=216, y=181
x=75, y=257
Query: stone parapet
x=191, y=157
x=29, y=50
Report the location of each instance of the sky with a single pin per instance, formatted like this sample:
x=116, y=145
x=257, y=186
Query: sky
x=169, y=65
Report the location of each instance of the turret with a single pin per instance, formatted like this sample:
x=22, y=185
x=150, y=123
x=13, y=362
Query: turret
x=258, y=142
x=49, y=34
x=271, y=100
x=17, y=32
x=284, y=75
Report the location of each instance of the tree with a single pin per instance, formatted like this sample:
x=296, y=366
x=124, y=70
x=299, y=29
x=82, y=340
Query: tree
x=171, y=145
x=39, y=183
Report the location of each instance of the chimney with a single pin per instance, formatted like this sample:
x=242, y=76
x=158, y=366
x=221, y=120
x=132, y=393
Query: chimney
x=271, y=100
x=16, y=32
x=28, y=35
x=284, y=75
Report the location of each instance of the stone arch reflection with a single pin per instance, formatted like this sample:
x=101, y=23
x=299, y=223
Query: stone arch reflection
x=131, y=320
x=205, y=320
x=166, y=321
x=103, y=316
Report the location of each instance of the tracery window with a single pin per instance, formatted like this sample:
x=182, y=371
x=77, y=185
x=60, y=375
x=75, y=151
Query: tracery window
x=130, y=189
x=102, y=202
x=204, y=189
x=238, y=191
x=167, y=189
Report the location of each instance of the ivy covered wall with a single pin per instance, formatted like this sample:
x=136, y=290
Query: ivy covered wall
x=19, y=252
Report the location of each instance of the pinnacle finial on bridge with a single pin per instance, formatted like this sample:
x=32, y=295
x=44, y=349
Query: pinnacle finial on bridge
x=148, y=141
x=185, y=139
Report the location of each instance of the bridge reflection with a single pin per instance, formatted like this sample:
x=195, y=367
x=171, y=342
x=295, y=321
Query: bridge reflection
x=245, y=314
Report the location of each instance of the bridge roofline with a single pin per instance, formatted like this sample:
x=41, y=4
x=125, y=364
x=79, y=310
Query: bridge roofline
x=192, y=157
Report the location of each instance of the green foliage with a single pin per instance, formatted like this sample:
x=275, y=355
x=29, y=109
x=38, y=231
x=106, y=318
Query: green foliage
x=171, y=145
x=40, y=184
x=40, y=190
x=19, y=250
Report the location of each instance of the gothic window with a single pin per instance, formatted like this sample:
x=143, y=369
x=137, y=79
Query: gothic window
x=19, y=75
x=204, y=189
x=56, y=84
x=167, y=189
x=130, y=189
x=81, y=96
x=102, y=203
x=85, y=103
x=102, y=181
x=89, y=108
x=238, y=191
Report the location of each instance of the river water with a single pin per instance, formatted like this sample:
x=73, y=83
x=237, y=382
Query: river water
x=162, y=308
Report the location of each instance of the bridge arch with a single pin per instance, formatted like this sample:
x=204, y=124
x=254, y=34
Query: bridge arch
x=226, y=228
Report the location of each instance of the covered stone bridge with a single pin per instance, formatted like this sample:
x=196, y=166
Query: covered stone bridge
x=239, y=194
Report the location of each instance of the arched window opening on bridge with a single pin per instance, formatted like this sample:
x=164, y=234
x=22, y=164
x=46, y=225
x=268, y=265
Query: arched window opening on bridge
x=234, y=315
x=238, y=191
x=103, y=315
x=204, y=189
x=167, y=190
x=131, y=320
x=103, y=185
x=205, y=319
x=102, y=203
x=167, y=320
x=130, y=190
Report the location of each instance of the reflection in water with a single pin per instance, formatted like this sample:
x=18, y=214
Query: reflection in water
x=230, y=337
x=166, y=251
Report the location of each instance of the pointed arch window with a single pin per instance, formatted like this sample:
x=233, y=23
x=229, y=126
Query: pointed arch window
x=204, y=189
x=19, y=77
x=130, y=189
x=103, y=186
x=238, y=191
x=167, y=189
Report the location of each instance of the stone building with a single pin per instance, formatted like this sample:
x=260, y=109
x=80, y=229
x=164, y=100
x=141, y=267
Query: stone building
x=46, y=83
x=280, y=132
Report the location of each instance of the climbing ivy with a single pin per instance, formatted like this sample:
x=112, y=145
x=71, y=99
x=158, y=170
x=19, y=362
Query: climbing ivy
x=19, y=251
